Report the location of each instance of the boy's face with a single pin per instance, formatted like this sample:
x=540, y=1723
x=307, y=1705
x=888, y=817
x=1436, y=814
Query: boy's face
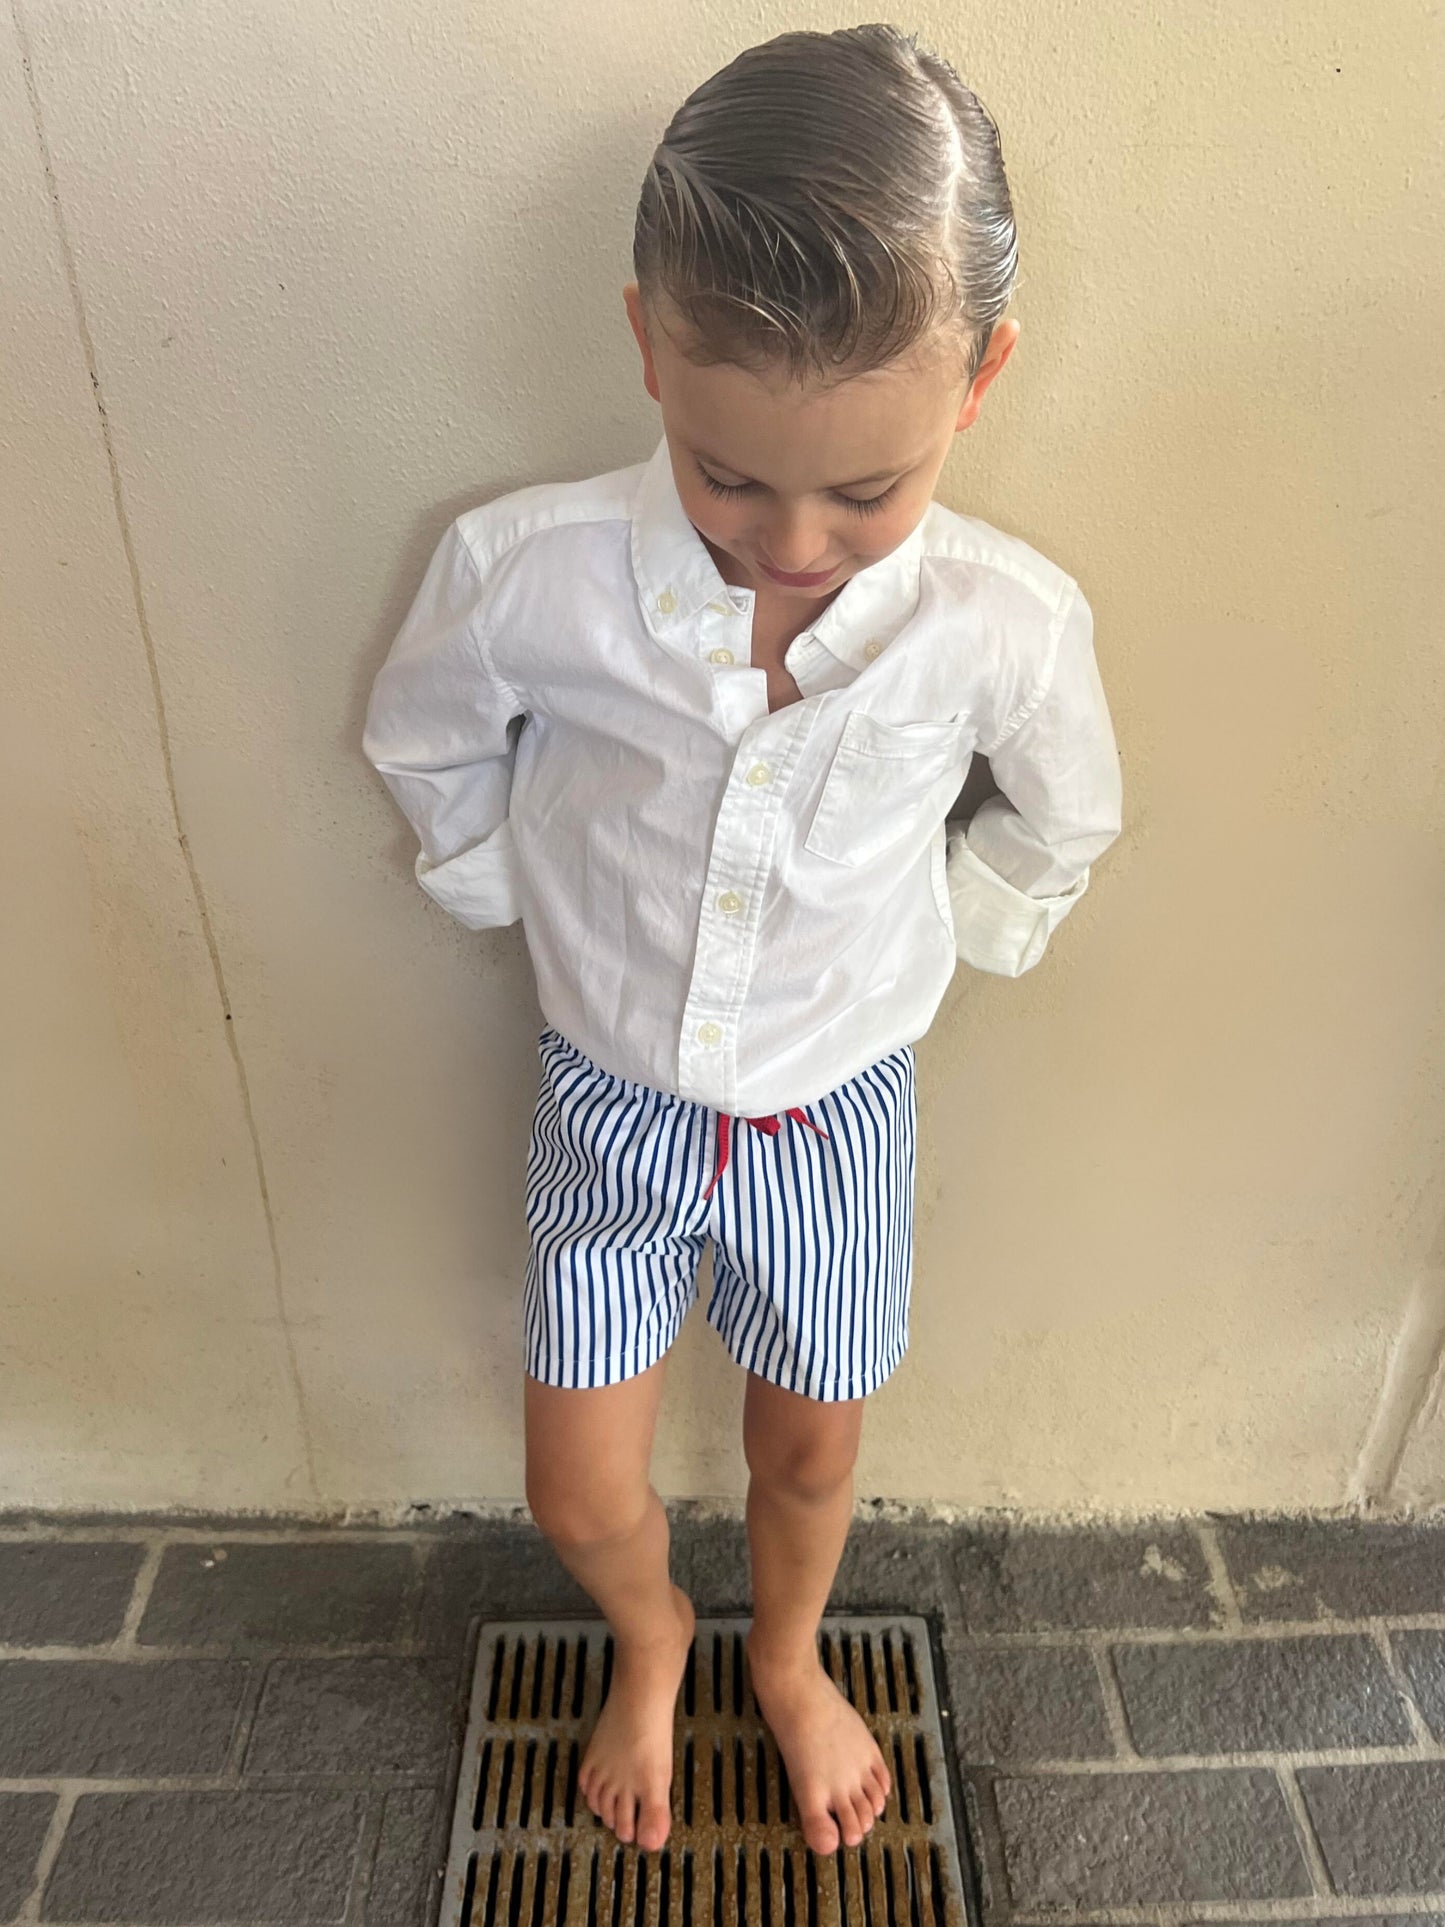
x=827, y=480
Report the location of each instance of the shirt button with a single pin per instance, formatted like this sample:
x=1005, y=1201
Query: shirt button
x=729, y=903
x=720, y=608
x=709, y=1033
x=873, y=649
x=721, y=655
x=667, y=602
x=759, y=774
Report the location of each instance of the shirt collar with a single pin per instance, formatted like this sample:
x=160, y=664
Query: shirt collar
x=677, y=577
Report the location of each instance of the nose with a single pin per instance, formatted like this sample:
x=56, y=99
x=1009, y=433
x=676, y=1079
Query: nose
x=797, y=546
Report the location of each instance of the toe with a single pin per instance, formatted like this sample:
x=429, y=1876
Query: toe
x=653, y=1825
x=848, y=1822
x=819, y=1829
x=863, y=1812
x=625, y=1820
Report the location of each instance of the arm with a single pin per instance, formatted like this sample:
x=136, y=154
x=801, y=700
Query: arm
x=1023, y=861
x=439, y=731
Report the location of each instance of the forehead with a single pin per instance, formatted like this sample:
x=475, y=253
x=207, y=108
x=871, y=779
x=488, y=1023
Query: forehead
x=791, y=433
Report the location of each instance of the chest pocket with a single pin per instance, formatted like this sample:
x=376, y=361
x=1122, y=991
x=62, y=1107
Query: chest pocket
x=884, y=781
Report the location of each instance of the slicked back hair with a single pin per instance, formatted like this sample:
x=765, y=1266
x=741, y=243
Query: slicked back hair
x=826, y=204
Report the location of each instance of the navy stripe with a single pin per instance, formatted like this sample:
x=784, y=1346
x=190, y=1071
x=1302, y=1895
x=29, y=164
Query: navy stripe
x=813, y=1235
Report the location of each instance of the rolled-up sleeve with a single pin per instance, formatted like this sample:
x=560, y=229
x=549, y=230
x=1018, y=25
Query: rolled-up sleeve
x=1023, y=860
x=441, y=730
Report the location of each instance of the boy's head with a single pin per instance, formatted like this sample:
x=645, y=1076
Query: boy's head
x=823, y=251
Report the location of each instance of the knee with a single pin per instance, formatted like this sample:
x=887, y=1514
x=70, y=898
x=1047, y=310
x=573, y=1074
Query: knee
x=806, y=1470
x=577, y=1513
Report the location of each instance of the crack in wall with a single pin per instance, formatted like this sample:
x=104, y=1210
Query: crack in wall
x=163, y=733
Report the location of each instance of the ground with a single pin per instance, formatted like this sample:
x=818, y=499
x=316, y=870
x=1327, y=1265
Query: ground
x=216, y=1720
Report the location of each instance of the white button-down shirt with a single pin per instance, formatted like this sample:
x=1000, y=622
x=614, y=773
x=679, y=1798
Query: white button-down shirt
x=739, y=906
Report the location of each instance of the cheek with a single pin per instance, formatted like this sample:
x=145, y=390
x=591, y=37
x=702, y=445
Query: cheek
x=907, y=515
x=875, y=536
x=717, y=520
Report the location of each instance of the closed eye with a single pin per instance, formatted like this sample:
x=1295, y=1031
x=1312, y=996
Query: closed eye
x=865, y=506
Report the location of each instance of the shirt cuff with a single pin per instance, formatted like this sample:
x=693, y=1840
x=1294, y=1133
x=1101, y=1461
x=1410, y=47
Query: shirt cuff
x=480, y=887
x=997, y=927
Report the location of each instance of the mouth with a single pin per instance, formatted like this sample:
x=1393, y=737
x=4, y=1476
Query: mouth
x=814, y=581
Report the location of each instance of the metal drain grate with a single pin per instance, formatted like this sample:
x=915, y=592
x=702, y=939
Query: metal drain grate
x=526, y=1851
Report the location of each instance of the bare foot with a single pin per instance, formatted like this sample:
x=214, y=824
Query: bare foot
x=835, y=1770
x=626, y=1774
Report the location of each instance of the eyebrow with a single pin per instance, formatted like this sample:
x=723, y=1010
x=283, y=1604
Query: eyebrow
x=857, y=482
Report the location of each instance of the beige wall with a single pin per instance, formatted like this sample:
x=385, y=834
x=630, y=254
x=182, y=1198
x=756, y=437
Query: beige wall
x=285, y=288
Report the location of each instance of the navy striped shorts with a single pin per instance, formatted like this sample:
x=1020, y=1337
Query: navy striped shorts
x=812, y=1228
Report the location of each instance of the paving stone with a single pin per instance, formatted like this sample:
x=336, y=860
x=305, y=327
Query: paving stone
x=117, y=1718
x=24, y=1820
x=1260, y=1695
x=410, y=1860
x=65, y=1593
x=1031, y=1579
x=710, y=1561
x=1026, y=1703
x=1138, y=1839
x=284, y=1857
x=1422, y=1656
x=894, y=1565
x=985, y=1837
x=376, y=1716
x=343, y=1592
x=1380, y=1827
x=501, y=1569
x=1334, y=1568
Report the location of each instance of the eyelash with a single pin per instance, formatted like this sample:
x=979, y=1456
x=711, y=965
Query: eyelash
x=870, y=507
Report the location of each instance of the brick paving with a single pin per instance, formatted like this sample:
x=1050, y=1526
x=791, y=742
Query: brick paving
x=1164, y=1726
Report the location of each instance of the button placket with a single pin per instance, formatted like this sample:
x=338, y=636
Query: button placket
x=741, y=851
x=719, y=653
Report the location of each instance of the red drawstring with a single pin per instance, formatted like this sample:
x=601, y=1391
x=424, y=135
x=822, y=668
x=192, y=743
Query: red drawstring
x=772, y=1125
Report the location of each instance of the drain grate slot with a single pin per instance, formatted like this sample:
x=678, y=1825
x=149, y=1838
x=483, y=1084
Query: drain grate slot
x=526, y=1851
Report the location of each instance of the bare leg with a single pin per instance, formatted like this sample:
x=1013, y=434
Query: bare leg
x=800, y=1452
x=588, y=1488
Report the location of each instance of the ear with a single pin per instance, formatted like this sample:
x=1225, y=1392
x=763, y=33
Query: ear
x=632, y=298
x=1000, y=347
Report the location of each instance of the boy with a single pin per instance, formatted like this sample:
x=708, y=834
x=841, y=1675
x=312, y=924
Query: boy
x=698, y=723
